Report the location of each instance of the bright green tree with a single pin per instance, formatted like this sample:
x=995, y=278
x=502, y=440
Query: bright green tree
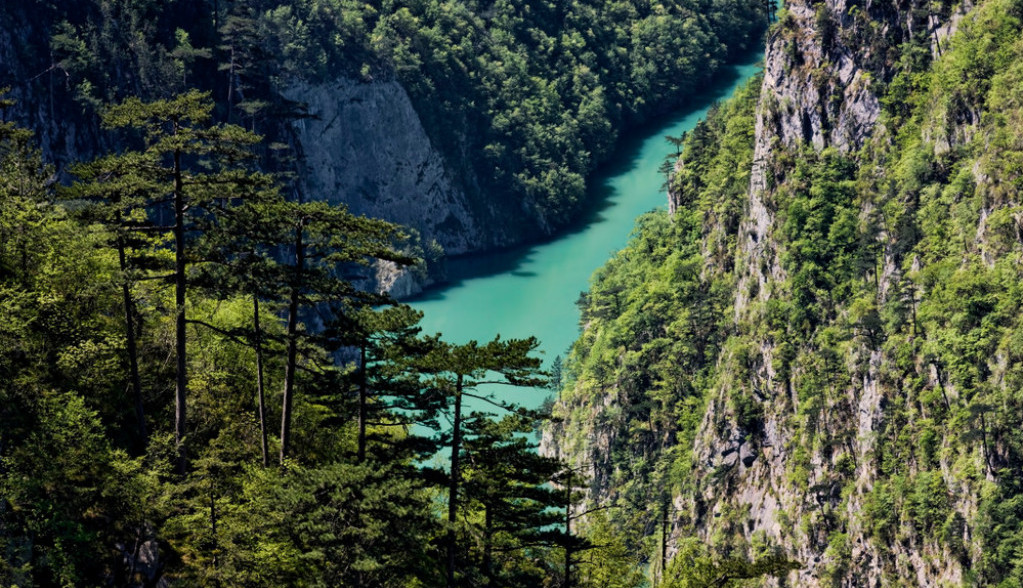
x=453, y=373
x=193, y=169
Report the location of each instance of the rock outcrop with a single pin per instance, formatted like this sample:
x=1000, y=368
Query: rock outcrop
x=42, y=103
x=807, y=439
x=363, y=145
x=823, y=66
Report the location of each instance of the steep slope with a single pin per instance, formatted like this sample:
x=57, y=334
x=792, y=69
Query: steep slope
x=834, y=373
x=475, y=123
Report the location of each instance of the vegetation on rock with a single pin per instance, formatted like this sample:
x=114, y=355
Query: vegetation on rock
x=111, y=323
x=846, y=395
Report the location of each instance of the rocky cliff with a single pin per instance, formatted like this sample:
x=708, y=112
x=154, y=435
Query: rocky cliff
x=38, y=87
x=358, y=143
x=815, y=357
x=362, y=144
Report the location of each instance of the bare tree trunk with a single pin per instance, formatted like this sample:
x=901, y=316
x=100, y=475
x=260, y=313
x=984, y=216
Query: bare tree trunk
x=230, y=85
x=133, y=355
x=664, y=538
x=363, y=392
x=179, y=327
x=488, y=556
x=456, y=441
x=213, y=531
x=568, y=530
x=259, y=378
x=289, y=369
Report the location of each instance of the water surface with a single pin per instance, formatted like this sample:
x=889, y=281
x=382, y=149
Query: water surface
x=531, y=291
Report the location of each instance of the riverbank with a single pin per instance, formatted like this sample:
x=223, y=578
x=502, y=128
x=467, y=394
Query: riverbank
x=532, y=290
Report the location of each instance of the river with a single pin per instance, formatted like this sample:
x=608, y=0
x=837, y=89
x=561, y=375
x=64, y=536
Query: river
x=532, y=290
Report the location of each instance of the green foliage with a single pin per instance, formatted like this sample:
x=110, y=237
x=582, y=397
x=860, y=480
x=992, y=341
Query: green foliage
x=695, y=567
x=86, y=498
x=363, y=525
x=510, y=503
x=609, y=562
x=547, y=89
x=535, y=95
x=56, y=510
x=877, y=329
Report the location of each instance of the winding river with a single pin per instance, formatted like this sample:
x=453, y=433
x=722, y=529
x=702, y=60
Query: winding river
x=532, y=290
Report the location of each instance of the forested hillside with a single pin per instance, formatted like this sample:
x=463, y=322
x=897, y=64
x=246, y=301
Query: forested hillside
x=521, y=99
x=806, y=372
x=196, y=389
x=166, y=417
x=815, y=356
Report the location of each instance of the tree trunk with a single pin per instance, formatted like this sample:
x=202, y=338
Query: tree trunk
x=179, y=327
x=488, y=556
x=230, y=84
x=213, y=532
x=664, y=538
x=568, y=530
x=259, y=378
x=362, y=403
x=456, y=441
x=289, y=369
x=133, y=355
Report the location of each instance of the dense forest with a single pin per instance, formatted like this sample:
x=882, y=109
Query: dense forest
x=154, y=339
x=194, y=390
x=815, y=355
x=524, y=99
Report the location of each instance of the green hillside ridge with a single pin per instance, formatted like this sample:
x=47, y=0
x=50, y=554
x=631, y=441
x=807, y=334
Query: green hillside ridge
x=145, y=370
x=897, y=281
x=523, y=99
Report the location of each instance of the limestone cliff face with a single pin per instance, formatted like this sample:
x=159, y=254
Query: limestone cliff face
x=822, y=66
x=363, y=145
x=42, y=103
x=796, y=446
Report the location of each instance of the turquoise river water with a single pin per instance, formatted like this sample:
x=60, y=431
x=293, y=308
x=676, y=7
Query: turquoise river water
x=532, y=290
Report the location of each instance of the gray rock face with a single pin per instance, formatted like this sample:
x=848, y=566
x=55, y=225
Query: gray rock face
x=820, y=68
x=818, y=92
x=818, y=72
x=399, y=282
x=365, y=147
x=41, y=101
x=816, y=86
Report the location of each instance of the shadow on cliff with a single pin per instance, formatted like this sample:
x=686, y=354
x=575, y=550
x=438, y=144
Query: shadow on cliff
x=600, y=191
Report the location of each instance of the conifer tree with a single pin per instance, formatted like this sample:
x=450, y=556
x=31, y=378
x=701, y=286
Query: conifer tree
x=454, y=373
x=195, y=169
x=329, y=245
x=382, y=378
x=116, y=200
x=510, y=482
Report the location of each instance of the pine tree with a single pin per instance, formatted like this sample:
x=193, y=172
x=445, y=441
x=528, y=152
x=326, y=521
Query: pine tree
x=329, y=247
x=194, y=168
x=454, y=373
x=378, y=335
x=510, y=483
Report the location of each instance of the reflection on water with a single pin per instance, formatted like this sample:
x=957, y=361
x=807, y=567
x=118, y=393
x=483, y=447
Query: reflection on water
x=531, y=290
